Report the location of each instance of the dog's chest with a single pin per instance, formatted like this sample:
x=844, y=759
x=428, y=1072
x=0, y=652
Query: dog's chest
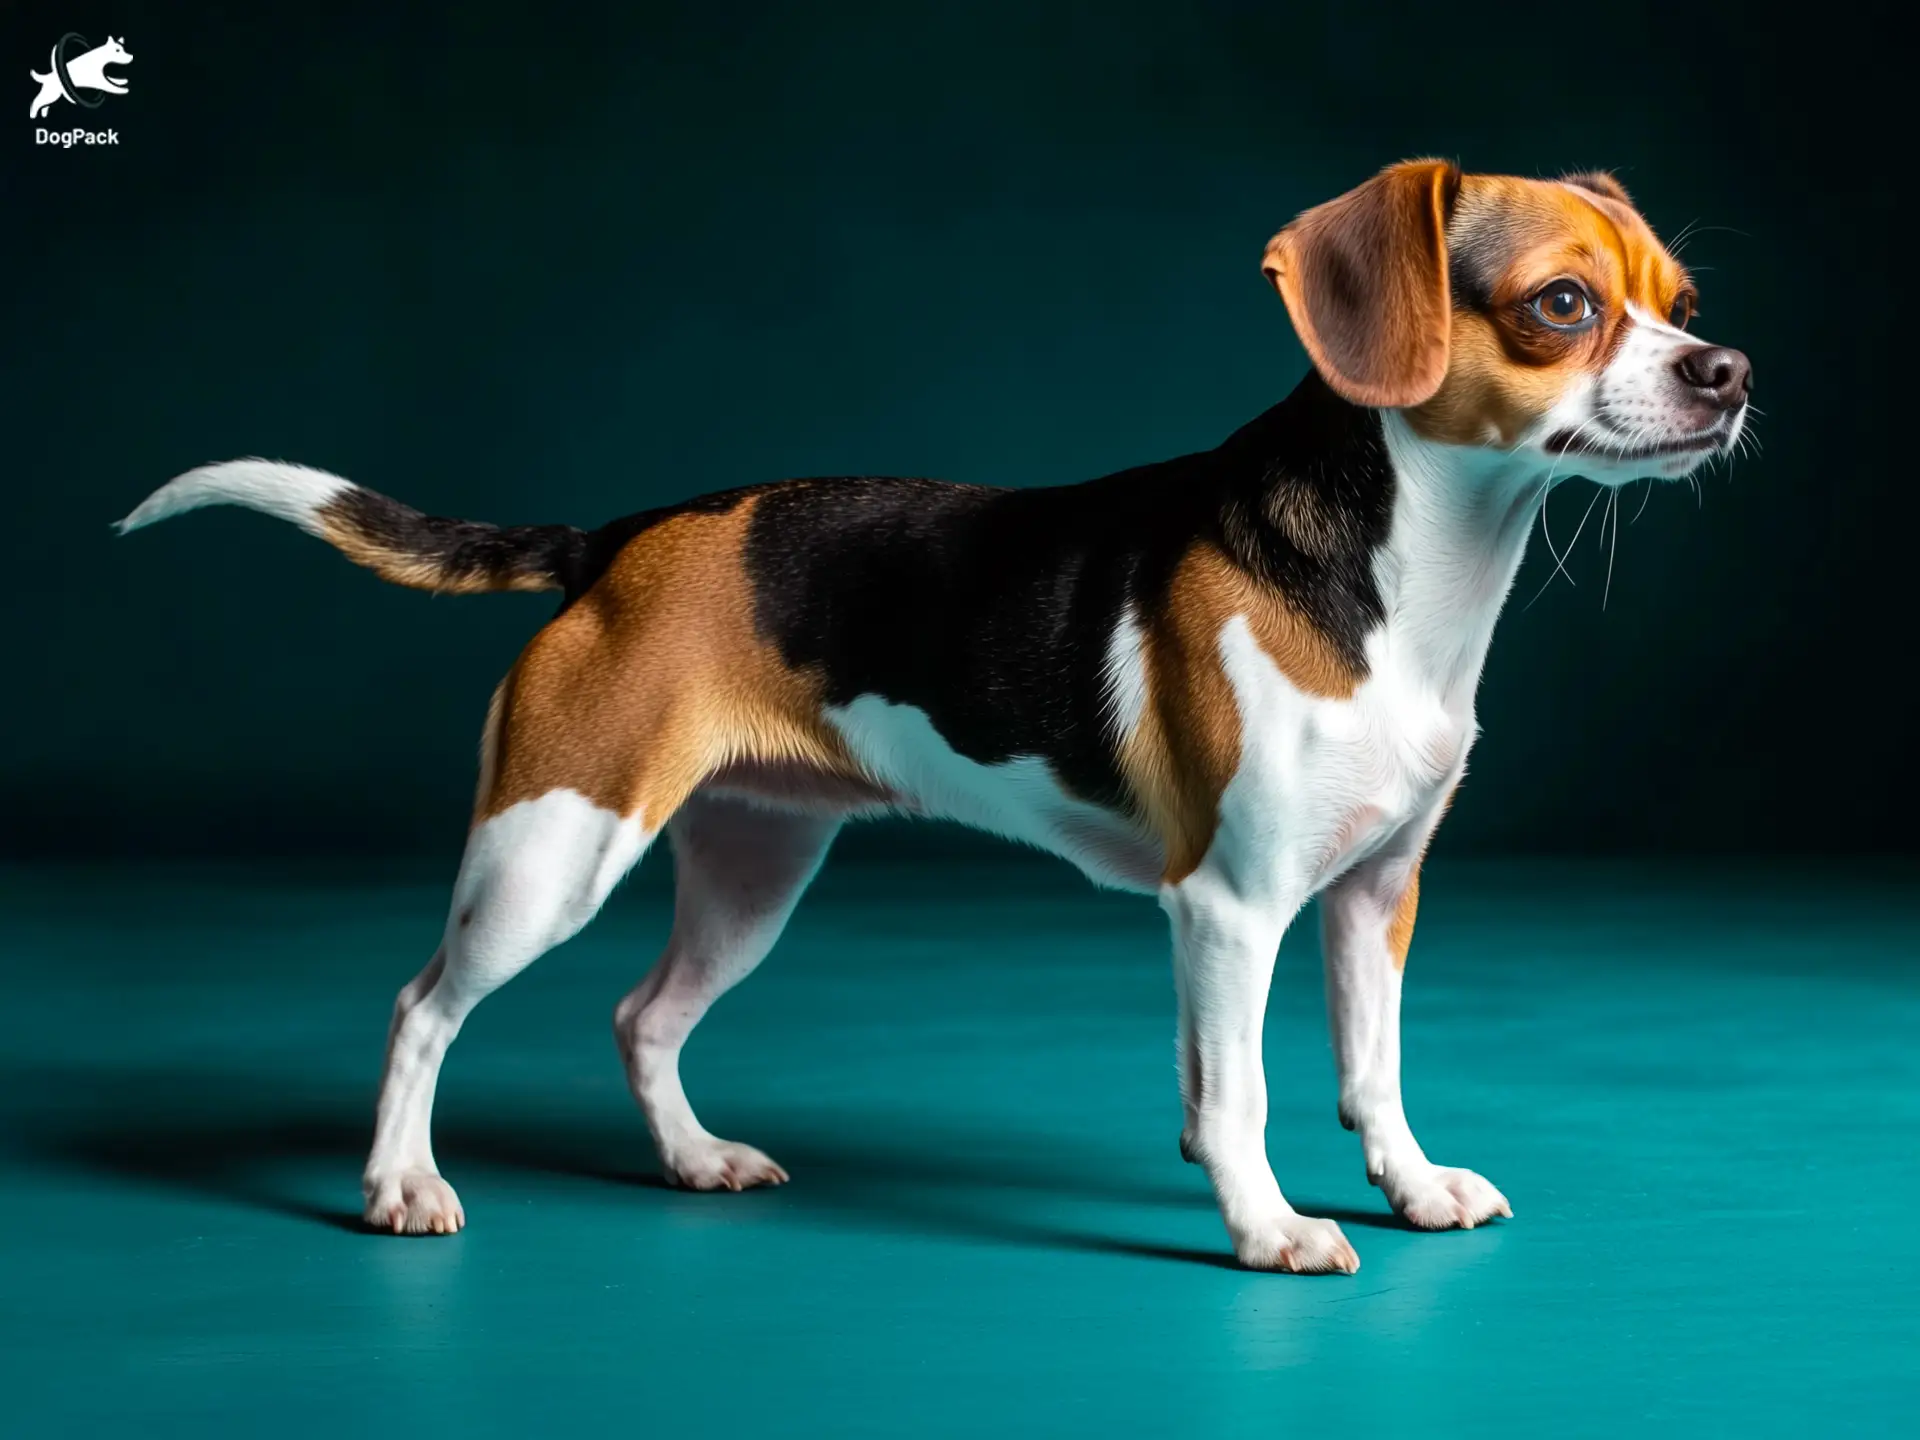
x=1325, y=783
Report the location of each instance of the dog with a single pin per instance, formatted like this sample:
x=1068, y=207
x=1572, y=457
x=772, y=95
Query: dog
x=88, y=71
x=1234, y=680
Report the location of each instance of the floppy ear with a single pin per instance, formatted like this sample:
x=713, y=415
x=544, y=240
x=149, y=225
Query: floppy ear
x=1365, y=281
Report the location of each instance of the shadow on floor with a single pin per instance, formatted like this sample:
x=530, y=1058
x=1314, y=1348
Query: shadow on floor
x=230, y=1138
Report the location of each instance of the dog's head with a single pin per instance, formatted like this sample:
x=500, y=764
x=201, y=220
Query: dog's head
x=1528, y=316
x=113, y=52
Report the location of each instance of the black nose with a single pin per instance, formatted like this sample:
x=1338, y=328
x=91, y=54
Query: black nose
x=1719, y=376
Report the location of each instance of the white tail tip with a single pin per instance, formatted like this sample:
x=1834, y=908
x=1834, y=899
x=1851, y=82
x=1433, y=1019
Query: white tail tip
x=291, y=492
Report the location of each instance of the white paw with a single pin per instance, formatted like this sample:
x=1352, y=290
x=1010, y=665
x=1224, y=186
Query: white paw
x=711, y=1164
x=1438, y=1198
x=414, y=1202
x=1298, y=1245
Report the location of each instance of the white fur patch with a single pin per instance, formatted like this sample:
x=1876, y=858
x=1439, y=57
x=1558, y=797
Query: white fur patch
x=1631, y=412
x=289, y=492
x=531, y=877
x=1126, y=676
x=1323, y=783
x=1019, y=800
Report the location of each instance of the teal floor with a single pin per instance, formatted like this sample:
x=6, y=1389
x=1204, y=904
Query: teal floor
x=1700, y=1088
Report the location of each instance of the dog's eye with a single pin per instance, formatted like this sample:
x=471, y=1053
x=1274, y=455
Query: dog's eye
x=1563, y=305
x=1681, y=313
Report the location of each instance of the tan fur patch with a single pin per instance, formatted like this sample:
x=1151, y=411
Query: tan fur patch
x=1488, y=399
x=1304, y=521
x=489, y=750
x=655, y=679
x=1400, y=930
x=1504, y=372
x=1185, y=749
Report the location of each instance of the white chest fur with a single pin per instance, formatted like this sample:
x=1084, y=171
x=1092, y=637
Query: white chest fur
x=1323, y=783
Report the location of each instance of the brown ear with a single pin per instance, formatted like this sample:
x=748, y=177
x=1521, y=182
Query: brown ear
x=1365, y=281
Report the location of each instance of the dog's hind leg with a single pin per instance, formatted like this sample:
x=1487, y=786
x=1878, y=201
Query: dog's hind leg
x=739, y=871
x=533, y=875
x=613, y=717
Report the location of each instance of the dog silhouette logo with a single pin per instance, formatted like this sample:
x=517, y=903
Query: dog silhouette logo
x=74, y=70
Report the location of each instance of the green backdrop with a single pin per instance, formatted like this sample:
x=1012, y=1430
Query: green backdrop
x=558, y=263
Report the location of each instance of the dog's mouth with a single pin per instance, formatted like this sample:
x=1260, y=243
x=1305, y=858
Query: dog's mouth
x=1603, y=442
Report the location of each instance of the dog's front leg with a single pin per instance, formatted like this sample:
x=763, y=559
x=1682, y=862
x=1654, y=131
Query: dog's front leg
x=1366, y=926
x=1224, y=943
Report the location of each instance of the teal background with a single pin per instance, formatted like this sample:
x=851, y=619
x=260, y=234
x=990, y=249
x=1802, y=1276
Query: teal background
x=559, y=262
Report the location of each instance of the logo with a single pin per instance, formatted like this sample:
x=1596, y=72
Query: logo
x=75, y=72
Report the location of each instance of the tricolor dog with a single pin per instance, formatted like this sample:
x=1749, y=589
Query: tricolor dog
x=1233, y=680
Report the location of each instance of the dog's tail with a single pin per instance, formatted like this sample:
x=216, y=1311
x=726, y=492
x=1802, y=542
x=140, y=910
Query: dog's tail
x=396, y=542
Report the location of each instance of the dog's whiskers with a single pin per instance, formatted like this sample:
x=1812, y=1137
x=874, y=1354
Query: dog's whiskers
x=1645, y=496
x=1613, y=508
x=1546, y=493
x=1560, y=567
